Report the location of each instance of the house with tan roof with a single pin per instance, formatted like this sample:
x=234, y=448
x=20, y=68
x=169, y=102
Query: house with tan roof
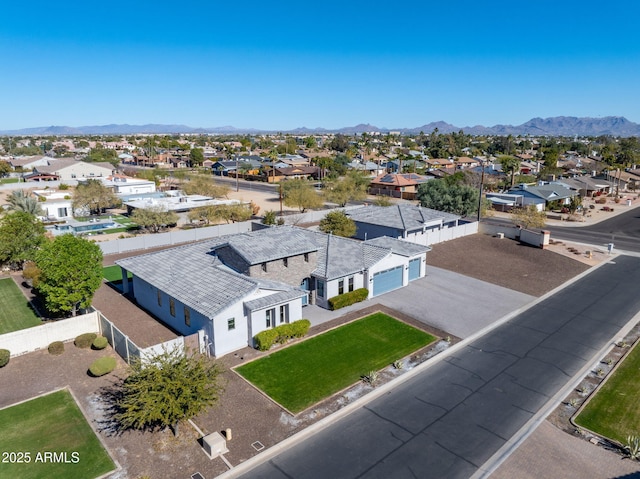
x=69, y=170
x=397, y=185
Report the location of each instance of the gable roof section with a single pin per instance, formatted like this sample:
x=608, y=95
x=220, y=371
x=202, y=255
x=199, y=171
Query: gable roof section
x=399, y=179
x=403, y=217
x=191, y=276
x=548, y=192
x=343, y=256
x=402, y=248
x=273, y=299
x=271, y=244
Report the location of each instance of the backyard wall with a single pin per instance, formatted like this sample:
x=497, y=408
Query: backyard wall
x=533, y=238
x=39, y=337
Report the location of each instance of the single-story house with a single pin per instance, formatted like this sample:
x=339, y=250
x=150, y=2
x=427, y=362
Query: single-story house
x=68, y=170
x=540, y=196
x=396, y=184
x=403, y=221
x=235, y=286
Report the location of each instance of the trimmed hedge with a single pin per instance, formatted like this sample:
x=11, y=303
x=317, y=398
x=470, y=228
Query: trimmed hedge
x=85, y=340
x=100, y=343
x=56, y=348
x=281, y=334
x=347, y=299
x=5, y=354
x=102, y=366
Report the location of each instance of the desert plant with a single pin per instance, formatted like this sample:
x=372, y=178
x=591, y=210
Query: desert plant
x=582, y=390
x=608, y=361
x=600, y=372
x=5, y=354
x=371, y=377
x=399, y=364
x=85, y=340
x=100, y=343
x=573, y=402
x=632, y=446
x=102, y=366
x=63, y=187
x=56, y=348
x=622, y=344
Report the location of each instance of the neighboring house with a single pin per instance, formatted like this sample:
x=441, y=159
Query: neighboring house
x=404, y=221
x=124, y=185
x=368, y=167
x=235, y=286
x=29, y=162
x=174, y=200
x=440, y=163
x=56, y=205
x=621, y=180
x=465, y=162
x=292, y=172
x=398, y=185
x=586, y=186
x=68, y=170
x=539, y=196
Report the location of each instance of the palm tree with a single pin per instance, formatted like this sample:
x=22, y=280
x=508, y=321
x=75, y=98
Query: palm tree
x=20, y=200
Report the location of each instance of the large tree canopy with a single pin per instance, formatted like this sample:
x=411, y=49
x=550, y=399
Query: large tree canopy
x=338, y=223
x=154, y=218
x=21, y=234
x=167, y=388
x=94, y=197
x=455, y=198
x=70, y=273
x=300, y=194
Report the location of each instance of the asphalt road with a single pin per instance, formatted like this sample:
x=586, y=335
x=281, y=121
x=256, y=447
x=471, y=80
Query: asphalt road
x=451, y=418
x=622, y=230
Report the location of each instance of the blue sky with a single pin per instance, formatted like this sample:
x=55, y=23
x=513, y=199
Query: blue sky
x=281, y=65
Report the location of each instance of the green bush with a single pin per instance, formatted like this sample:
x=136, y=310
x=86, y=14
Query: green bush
x=4, y=357
x=265, y=339
x=100, y=343
x=281, y=334
x=300, y=328
x=56, y=348
x=102, y=366
x=85, y=340
x=347, y=299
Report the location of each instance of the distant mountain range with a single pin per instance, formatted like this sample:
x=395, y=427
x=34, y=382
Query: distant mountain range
x=555, y=126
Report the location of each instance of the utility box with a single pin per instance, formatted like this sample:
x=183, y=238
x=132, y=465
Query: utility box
x=214, y=445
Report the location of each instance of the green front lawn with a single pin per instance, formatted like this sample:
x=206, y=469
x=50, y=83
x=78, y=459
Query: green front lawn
x=51, y=424
x=614, y=411
x=15, y=313
x=113, y=274
x=308, y=372
x=5, y=181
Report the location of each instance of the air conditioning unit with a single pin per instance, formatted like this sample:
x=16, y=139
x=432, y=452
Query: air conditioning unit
x=500, y=235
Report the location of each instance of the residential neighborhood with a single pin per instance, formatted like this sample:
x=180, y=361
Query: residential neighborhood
x=234, y=252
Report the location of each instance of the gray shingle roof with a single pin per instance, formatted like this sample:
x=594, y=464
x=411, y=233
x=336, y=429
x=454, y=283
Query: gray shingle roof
x=403, y=248
x=404, y=217
x=192, y=277
x=271, y=244
x=273, y=299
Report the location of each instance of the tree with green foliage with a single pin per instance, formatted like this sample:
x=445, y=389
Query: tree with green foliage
x=196, y=156
x=106, y=155
x=529, y=217
x=205, y=186
x=300, y=194
x=5, y=168
x=233, y=213
x=510, y=166
x=352, y=187
x=167, y=388
x=70, y=273
x=338, y=223
x=93, y=197
x=269, y=218
x=154, y=219
x=456, y=198
x=20, y=200
x=21, y=235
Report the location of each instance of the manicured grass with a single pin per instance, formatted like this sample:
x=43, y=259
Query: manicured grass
x=15, y=313
x=4, y=181
x=113, y=274
x=53, y=424
x=303, y=374
x=614, y=411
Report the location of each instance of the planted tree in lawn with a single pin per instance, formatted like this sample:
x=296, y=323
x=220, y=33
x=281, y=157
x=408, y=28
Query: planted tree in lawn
x=169, y=387
x=93, y=197
x=338, y=223
x=21, y=234
x=70, y=273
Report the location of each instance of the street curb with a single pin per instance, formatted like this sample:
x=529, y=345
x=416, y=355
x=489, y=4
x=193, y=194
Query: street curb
x=282, y=446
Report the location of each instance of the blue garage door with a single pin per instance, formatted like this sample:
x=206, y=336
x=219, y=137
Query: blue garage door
x=387, y=280
x=414, y=269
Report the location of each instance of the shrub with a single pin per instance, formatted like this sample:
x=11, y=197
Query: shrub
x=100, y=343
x=281, y=334
x=63, y=186
x=56, y=348
x=4, y=357
x=265, y=339
x=102, y=366
x=300, y=328
x=601, y=201
x=347, y=299
x=85, y=340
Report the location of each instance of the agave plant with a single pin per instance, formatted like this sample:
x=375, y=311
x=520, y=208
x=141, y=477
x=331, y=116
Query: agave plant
x=632, y=446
